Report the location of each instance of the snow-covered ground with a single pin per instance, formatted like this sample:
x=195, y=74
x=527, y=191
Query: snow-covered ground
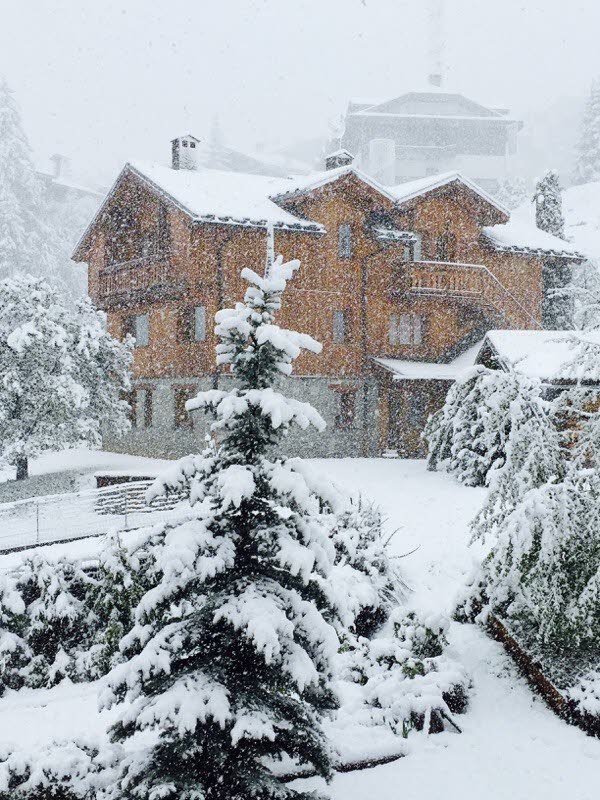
x=512, y=747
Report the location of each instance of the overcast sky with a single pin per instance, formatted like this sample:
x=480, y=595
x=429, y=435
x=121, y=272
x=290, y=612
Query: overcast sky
x=117, y=79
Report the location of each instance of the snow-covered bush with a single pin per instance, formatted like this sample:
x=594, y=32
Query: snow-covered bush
x=407, y=679
x=14, y=651
x=70, y=771
x=230, y=658
x=468, y=436
x=59, y=627
x=62, y=373
x=364, y=573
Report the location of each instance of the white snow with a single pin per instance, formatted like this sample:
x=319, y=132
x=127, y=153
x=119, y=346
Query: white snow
x=511, y=746
x=537, y=354
x=521, y=235
x=430, y=371
x=224, y=195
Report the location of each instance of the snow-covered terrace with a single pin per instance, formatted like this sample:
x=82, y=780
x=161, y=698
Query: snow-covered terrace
x=403, y=370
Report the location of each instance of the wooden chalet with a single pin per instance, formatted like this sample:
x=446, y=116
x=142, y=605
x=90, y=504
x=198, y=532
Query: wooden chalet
x=413, y=274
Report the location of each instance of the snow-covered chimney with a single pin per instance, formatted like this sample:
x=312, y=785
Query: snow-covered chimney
x=435, y=79
x=61, y=164
x=184, y=152
x=341, y=158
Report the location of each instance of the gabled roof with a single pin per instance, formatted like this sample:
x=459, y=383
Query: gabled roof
x=429, y=101
x=211, y=196
x=408, y=191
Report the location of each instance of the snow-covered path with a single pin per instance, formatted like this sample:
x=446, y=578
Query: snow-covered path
x=512, y=747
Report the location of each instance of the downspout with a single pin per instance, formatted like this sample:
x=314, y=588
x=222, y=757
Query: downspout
x=220, y=291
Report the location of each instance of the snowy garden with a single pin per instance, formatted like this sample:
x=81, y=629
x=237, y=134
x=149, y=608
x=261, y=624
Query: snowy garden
x=243, y=624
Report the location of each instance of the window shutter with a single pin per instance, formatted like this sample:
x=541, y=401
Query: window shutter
x=345, y=241
x=417, y=332
x=199, y=324
x=141, y=330
x=393, y=331
x=339, y=327
x=404, y=329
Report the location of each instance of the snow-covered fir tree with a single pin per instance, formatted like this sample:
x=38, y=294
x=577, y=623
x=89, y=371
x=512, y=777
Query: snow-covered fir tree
x=26, y=240
x=467, y=437
x=533, y=455
x=587, y=167
x=548, y=205
x=59, y=626
x=63, y=373
x=117, y=589
x=229, y=661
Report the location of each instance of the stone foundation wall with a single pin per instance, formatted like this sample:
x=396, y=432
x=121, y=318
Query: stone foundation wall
x=163, y=439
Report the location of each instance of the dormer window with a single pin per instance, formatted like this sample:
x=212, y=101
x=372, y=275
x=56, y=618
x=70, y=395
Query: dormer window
x=184, y=143
x=192, y=144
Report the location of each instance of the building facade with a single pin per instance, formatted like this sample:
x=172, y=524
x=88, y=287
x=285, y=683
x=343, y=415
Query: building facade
x=413, y=276
x=429, y=131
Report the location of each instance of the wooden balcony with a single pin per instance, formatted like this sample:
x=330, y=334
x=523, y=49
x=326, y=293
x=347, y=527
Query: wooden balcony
x=445, y=278
x=136, y=281
x=467, y=282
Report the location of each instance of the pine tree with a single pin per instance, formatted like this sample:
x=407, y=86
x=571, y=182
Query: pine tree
x=229, y=660
x=113, y=598
x=587, y=168
x=533, y=456
x=63, y=373
x=59, y=627
x=26, y=240
x=548, y=205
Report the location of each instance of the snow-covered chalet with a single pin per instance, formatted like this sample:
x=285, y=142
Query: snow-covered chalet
x=399, y=283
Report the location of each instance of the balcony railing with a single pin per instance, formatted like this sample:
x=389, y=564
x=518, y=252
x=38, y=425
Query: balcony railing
x=467, y=281
x=440, y=277
x=136, y=279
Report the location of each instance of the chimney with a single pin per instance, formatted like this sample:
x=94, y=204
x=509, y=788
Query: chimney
x=184, y=152
x=435, y=79
x=61, y=164
x=341, y=158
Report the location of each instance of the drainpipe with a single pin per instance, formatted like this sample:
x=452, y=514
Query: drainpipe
x=220, y=290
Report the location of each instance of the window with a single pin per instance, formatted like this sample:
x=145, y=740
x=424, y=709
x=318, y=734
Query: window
x=340, y=326
x=142, y=408
x=141, y=330
x=192, y=144
x=184, y=143
x=406, y=329
x=345, y=241
x=183, y=418
x=192, y=324
x=347, y=410
x=446, y=247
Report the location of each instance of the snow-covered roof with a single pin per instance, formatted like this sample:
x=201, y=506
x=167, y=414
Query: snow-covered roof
x=430, y=371
x=218, y=196
x=308, y=183
x=537, y=354
x=411, y=189
x=519, y=236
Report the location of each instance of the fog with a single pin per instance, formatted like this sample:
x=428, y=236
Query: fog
x=109, y=81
